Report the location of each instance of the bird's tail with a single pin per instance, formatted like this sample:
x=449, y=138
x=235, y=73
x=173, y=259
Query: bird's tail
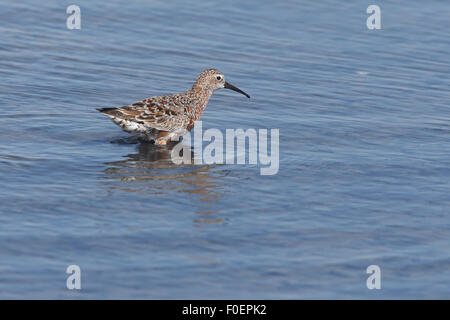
x=110, y=112
x=105, y=110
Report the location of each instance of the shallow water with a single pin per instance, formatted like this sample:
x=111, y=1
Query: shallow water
x=364, y=173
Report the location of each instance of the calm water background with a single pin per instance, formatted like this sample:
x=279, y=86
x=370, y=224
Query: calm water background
x=364, y=173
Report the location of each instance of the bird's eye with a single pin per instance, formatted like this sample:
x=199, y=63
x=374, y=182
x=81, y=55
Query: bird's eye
x=219, y=78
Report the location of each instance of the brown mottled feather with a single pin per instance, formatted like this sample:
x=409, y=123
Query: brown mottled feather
x=165, y=117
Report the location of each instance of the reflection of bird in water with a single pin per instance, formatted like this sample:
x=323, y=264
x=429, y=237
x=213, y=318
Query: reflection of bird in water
x=151, y=171
x=149, y=156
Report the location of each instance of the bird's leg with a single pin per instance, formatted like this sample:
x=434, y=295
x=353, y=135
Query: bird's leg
x=164, y=138
x=161, y=141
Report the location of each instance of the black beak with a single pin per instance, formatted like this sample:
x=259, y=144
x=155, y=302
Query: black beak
x=231, y=87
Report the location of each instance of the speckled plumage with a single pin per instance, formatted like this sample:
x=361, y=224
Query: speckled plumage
x=165, y=118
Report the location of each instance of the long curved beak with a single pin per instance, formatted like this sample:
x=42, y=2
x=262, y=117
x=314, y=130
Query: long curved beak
x=231, y=87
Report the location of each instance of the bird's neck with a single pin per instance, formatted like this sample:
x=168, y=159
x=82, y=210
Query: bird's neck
x=199, y=97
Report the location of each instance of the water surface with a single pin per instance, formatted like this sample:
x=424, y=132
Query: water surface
x=364, y=172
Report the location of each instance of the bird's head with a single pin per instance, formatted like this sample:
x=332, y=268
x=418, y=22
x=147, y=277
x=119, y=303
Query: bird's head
x=213, y=79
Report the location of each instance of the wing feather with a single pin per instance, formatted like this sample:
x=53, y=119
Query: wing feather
x=160, y=113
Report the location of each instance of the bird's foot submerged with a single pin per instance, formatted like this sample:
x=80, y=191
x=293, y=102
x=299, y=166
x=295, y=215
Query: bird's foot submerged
x=161, y=141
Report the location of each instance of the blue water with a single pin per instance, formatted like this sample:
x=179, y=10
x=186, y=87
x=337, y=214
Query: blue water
x=364, y=175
